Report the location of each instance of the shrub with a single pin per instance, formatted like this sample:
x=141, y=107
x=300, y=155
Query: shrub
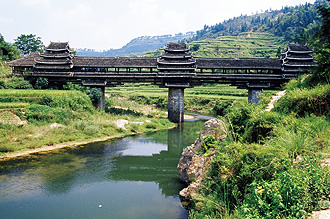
x=95, y=95
x=221, y=107
x=41, y=83
x=70, y=86
x=304, y=102
x=291, y=194
x=18, y=83
x=39, y=114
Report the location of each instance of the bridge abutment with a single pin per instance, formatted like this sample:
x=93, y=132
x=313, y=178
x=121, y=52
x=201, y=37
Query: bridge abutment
x=176, y=105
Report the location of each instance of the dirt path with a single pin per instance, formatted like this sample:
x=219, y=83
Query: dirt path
x=275, y=98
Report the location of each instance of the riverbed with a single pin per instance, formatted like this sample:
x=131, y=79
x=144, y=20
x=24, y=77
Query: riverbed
x=131, y=177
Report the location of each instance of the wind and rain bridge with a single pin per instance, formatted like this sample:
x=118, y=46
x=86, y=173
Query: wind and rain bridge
x=175, y=69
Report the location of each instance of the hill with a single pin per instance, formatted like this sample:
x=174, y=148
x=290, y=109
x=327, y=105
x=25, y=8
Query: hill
x=291, y=23
x=137, y=46
x=244, y=45
x=259, y=35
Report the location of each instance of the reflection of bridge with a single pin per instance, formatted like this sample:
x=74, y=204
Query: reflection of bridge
x=176, y=69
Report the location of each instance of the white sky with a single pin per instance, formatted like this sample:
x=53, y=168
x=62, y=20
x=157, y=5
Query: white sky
x=105, y=24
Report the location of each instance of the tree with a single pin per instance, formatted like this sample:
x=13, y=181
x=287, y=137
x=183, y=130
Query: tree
x=324, y=12
x=323, y=56
x=28, y=43
x=8, y=52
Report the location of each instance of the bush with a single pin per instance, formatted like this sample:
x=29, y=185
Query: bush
x=292, y=193
x=303, y=102
x=221, y=107
x=70, y=86
x=41, y=83
x=95, y=95
x=40, y=114
x=18, y=83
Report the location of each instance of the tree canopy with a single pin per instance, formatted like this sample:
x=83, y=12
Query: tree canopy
x=8, y=52
x=28, y=43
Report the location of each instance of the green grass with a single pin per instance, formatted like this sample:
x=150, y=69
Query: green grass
x=5, y=71
x=245, y=45
x=269, y=166
x=15, y=105
x=202, y=99
x=73, y=110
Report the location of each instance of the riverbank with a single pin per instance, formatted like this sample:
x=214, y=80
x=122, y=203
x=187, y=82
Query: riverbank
x=271, y=164
x=52, y=119
x=119, y=123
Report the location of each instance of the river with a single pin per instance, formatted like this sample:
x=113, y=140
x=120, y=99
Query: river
x=132, y=177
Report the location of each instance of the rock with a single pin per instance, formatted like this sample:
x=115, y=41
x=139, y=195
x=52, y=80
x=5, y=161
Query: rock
x=120, y=123
x=192, y=166
x=55, y=125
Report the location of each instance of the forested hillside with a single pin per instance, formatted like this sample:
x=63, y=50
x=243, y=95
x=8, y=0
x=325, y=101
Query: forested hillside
x=260, y=35
x=291, y=23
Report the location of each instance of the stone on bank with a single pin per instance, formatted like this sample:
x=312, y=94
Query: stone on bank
x=192, y=165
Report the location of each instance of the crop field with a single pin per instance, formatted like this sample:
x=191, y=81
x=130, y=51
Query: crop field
x=203, y=99
x=245, y=45
x=218, y=91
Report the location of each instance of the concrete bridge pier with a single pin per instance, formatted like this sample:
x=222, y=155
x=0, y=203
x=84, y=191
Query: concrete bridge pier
x=255, y=89
x=101, y=102
x=253, y=95
x=176, y=105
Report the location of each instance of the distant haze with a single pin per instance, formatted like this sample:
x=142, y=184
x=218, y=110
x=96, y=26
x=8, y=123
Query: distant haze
x=105, y=24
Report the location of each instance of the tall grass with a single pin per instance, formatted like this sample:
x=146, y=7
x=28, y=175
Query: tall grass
x=304, y=101
x=270, y=165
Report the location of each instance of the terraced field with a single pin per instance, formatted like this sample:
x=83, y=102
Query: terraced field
x=245, y=45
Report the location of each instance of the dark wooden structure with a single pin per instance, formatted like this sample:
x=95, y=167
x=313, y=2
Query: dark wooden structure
x=175, y=69
x=297, y=58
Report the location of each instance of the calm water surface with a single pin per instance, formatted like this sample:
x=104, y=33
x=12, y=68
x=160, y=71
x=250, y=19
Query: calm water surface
x=133, y=177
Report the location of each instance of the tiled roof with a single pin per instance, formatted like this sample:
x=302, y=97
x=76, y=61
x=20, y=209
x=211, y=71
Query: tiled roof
x=26, y=61
x=58, y=46
x=238, y=63
x=112, y=62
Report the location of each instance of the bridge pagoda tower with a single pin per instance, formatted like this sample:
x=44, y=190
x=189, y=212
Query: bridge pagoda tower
x=297, y=58
x=57, y=57
x=176, y=67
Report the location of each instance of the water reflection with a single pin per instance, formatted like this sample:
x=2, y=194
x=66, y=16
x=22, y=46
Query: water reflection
x=133, y=177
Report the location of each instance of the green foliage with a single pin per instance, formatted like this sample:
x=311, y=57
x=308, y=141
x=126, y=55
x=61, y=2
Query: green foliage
x=41, y=83
x=5, y=72
x=322, y=74
x=305, y=101
x=282, y=175
x=221, y=107
x=28, y=43
x=40, y=114
x=8, y=52
x=16, y=83
x=288, y=22
x=324, y=11
x=209, y=141
x=95, y=95
x=292, y=194
x=13, y=105
x=244, y=45
x=73, y=100
x=71, y=86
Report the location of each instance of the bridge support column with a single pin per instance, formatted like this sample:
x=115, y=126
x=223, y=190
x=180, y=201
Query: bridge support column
x=254, y=94
x=176, y=105
x=101, y=102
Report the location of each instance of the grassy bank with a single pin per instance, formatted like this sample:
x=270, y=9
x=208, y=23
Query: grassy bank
x=31, y=119
x=208, y=99
x=271, y=164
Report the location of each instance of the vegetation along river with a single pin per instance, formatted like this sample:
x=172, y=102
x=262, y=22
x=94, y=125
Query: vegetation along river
x=132, y=177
